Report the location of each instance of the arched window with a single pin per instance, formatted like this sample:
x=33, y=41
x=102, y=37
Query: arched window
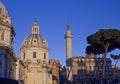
x=34, y=54
x=35, y=30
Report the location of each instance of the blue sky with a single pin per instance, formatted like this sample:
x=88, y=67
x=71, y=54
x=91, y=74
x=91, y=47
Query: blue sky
x=85, y=17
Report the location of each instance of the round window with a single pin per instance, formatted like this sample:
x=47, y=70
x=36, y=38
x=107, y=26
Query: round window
x=35, y=41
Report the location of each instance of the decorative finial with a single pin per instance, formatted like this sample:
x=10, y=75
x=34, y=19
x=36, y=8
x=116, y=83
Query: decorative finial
x=35, y=22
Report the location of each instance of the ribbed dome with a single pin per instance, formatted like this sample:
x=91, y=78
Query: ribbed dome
x=3, y=10
x=35, y=39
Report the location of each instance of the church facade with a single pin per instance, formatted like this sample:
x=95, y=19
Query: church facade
x=7, y=55
x=35, y=55
x=34, y=65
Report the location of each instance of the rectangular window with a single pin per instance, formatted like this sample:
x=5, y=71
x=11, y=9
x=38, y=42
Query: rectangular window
x=34, y=54
x=24, y=56
x=44, y=55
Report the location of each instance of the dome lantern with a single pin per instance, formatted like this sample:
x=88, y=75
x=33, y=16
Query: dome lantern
x=35, y=28
x=35, y=39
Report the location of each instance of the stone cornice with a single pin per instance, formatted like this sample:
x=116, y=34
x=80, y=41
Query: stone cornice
x=10, y=51
x=6, y=24
x=9, y=26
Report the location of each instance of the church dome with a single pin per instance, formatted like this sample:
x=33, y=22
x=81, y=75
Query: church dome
x=3, y=11
x=4, y=16
x=35, y=39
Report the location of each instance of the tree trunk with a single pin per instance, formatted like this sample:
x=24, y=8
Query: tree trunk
x=96, y=67
x=104, y=62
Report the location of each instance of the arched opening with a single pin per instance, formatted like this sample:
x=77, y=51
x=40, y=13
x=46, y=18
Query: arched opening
x=35, y=30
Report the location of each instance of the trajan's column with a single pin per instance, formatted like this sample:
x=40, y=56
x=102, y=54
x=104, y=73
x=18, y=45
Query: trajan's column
x=68, y=36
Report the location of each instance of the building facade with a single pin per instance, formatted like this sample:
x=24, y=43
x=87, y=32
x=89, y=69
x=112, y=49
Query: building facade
x=85, y=67
x=7, y=55
x=20, y=71
x=35, y=55
x=56, y=69
x=116, y=72
x=33, y=66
